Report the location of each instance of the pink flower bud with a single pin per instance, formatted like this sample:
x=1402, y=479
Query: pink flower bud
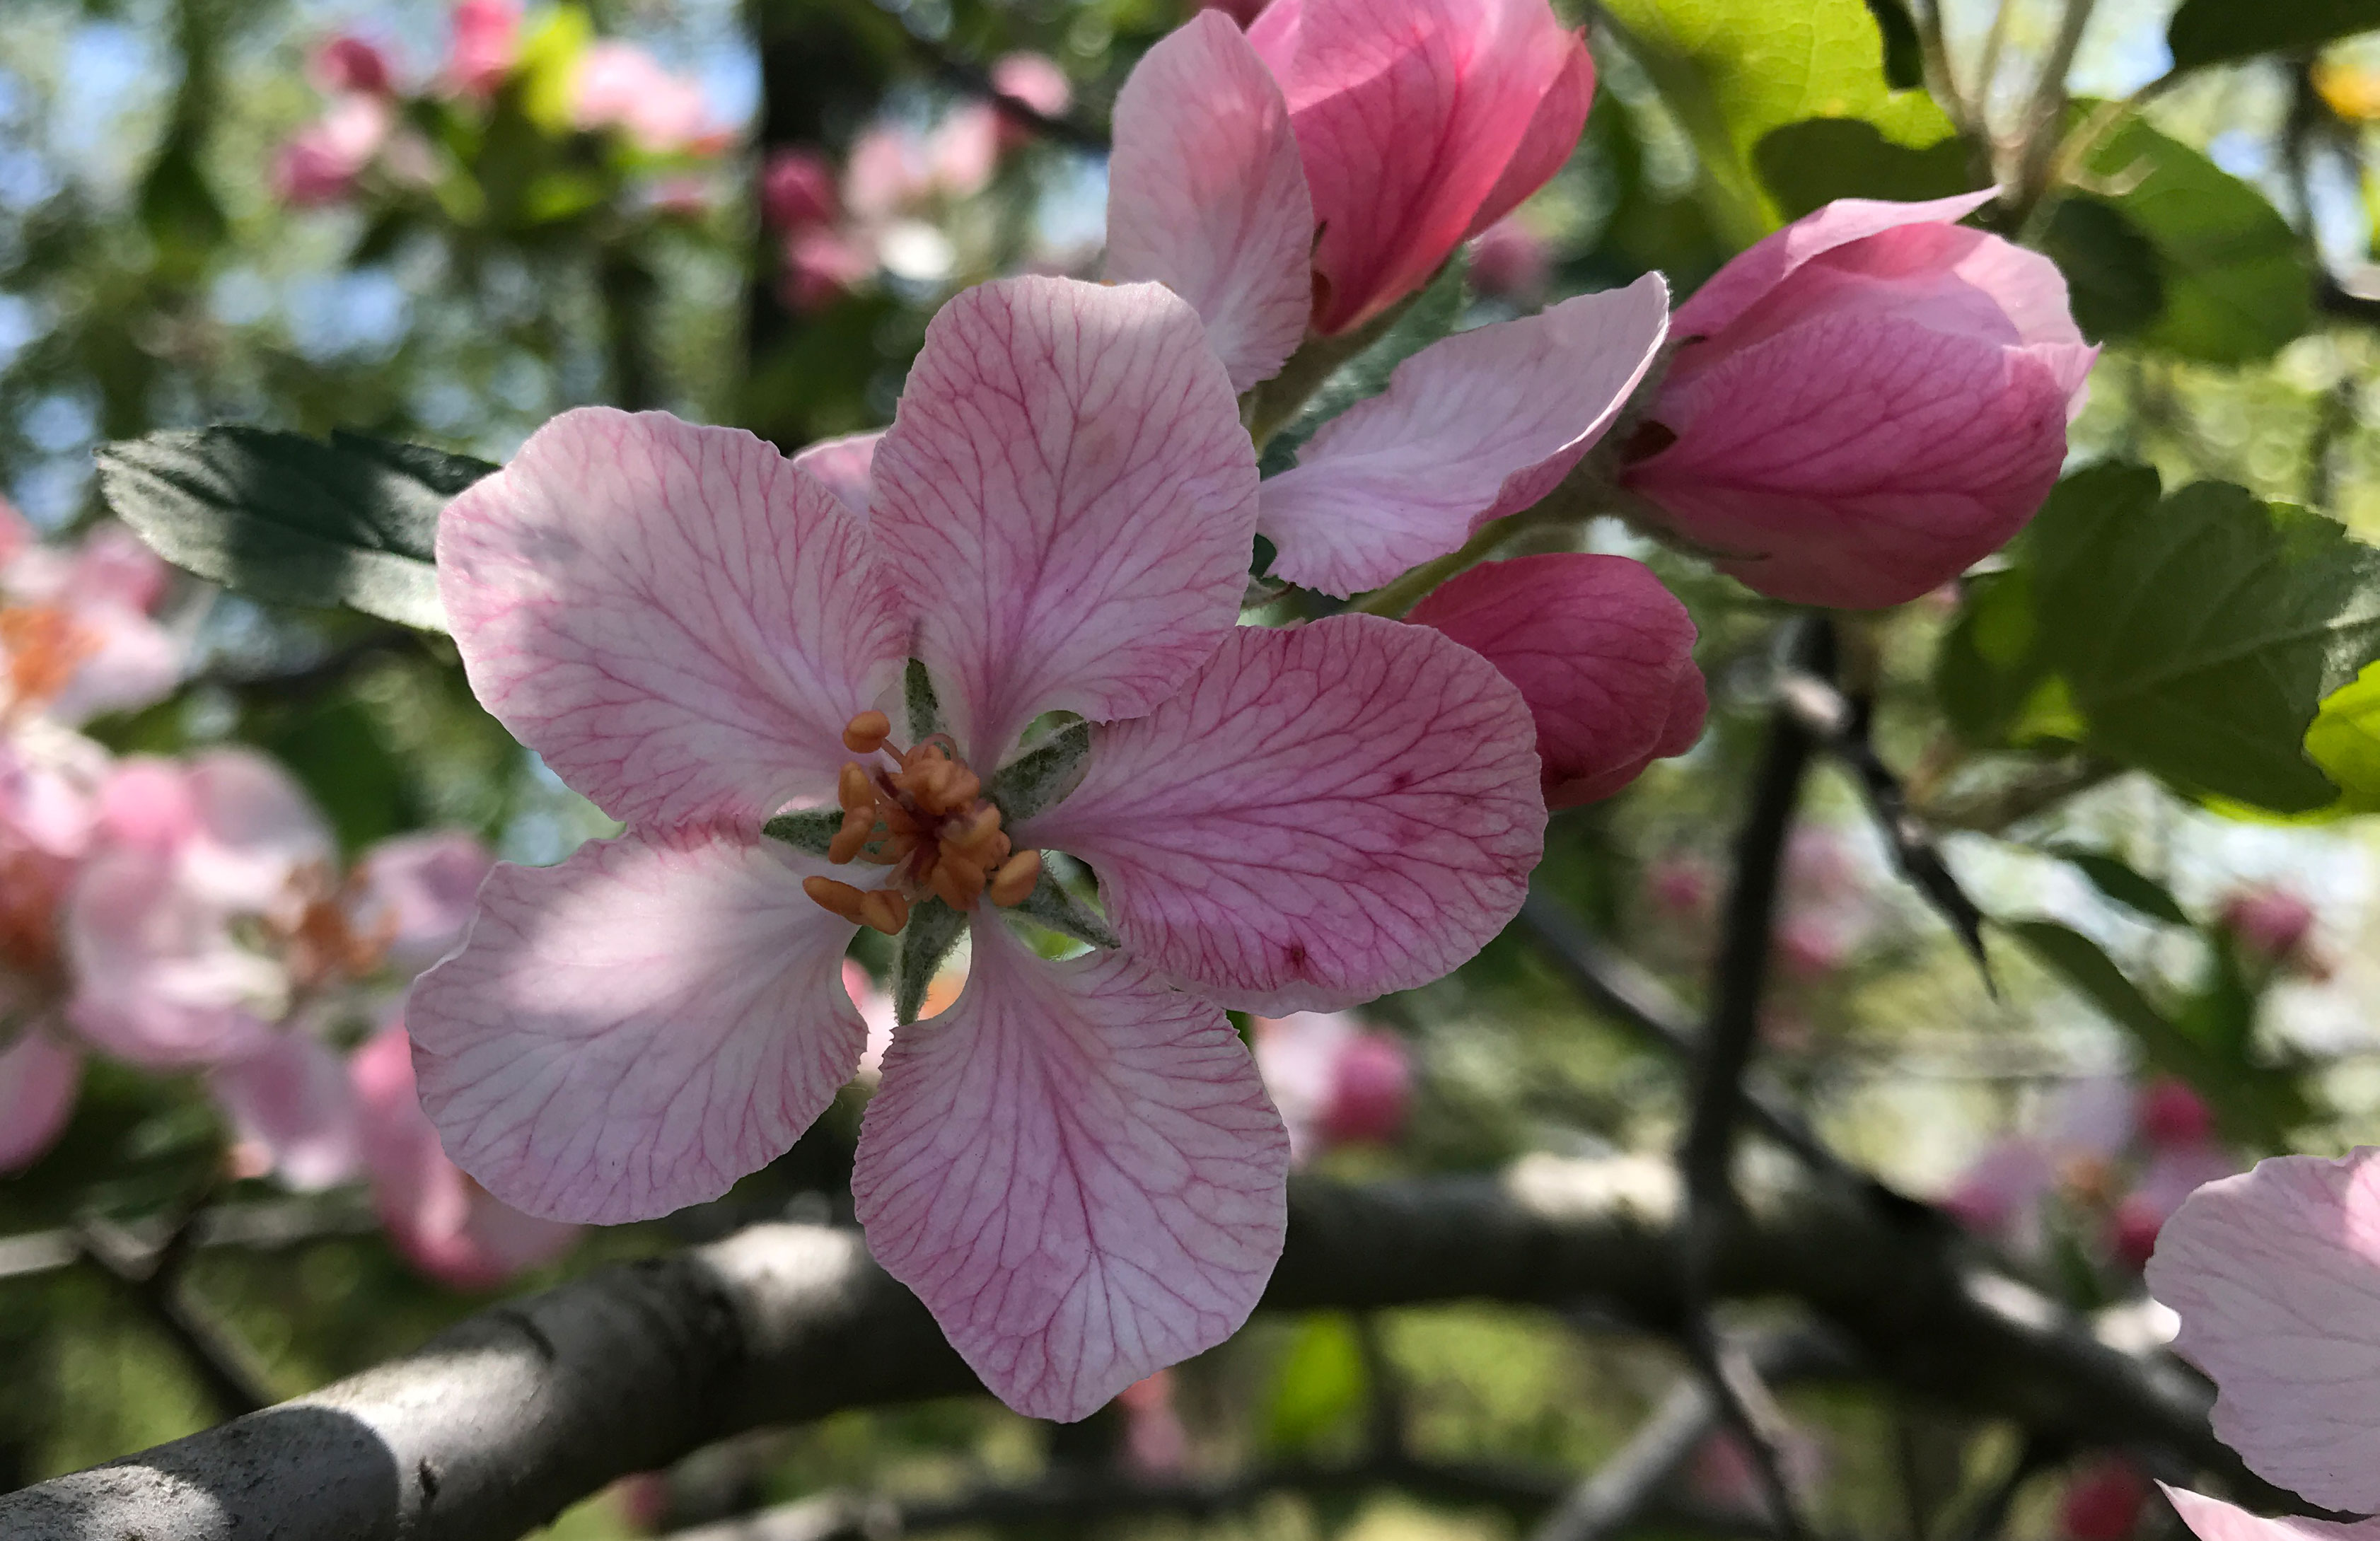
x=2132, y=1232
x=1863, y=403
x=487, y=41
x=2104, y=1502
x=1683, y=887
x=1603, y=654
x=2171, y=1114
x=1420, y=124
x=1371, y=1090
x=1242, y=11
x=1511, y=261
x=347, y=62
x=798, y=189
x=822, y=266
x=2271, y=925
x=1036, y=80
x=320, y=163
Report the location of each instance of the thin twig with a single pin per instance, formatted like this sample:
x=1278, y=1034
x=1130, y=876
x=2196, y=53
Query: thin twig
x=976, y=79
x=226, y=1367
x=2043, y=128
x=263, y=1227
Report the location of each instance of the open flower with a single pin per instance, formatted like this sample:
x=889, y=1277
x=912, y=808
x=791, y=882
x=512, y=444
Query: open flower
x=46, y=795
x=1215, y=189
x=445, y=1224
x=617, y=84
x=77, y=635
x=1075, y=1165
x=1863, y=403
x=213, y=932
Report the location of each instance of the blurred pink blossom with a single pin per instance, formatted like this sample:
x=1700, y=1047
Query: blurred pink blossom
x=486, y=43
x=2103, y=1501
x=1511, y=261
x=1155, y=1443
x=46, y=825
x=445, y=1224
x=1863, y=403
x=2172, y=1115
x=619, y=85
x=1334, y=1081
x=77, y=637
x=798, y=189
x=821, y=265
x=1036, y=80
x=347, y=62
x=2273, y=927
x=320, y=162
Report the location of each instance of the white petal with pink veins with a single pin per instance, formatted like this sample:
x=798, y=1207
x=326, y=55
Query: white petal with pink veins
x=1065, y=502
x=1076, y=1170
x=1205, y=194
x=675, y=618
x=1323, y=815
x=632, y=1030
x=1480, y=424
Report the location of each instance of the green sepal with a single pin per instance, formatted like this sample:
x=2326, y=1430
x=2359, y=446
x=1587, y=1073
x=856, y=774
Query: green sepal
x=1042, y=774
x=1049, y=905
x=808, y=830
x=934, y=929
x=925, y=711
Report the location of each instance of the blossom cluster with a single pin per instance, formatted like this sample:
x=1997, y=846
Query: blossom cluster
x=190, y=917
x=997, y=677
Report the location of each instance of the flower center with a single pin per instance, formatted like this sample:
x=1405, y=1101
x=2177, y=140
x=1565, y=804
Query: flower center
x=44, y=647
x=921, y=812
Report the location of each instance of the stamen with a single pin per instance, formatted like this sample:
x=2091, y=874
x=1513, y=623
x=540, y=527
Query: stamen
x=850, y=839
x=853, y=790
x=884, y=910
x=1015, y=879
x=866, y=733
x=834, y=897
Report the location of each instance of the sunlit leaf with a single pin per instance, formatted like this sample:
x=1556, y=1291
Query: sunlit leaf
x=2345, y=741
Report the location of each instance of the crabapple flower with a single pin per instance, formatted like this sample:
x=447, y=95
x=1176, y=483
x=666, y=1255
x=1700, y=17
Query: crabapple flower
x=77, y=635
x=486, y=45
x=1075, y=1165
x=1863, y=403
x=1511, y=261
x=320, y=162
x=39, y=1076
x=2103, y=1501
x=619, y=85
x=443, y=1223
x=798, y=189
x=2213, y=1520
x=347, y=62
x=2273, y=927
x=1335, y=1082
x=1215, y=189
x=46, y=825
x=1601, y=651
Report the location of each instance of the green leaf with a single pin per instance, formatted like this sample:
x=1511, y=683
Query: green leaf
x=288, y=519
x=1322, y=1385
x=2235, y=286
x=2214, y=31
x=1734, y=71
x=2113, y=276
x=2255, y=1103
x=1904, y=55
x=1808, y=164
x=2345, y=741
x=934, y=929
x=2195, y=636
x=2124, y=883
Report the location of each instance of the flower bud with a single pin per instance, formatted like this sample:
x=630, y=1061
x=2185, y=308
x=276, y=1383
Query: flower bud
x=1371, y=1090
x=1863, y=403
x=347, y=62
x=2270, y=924
x=797, y=190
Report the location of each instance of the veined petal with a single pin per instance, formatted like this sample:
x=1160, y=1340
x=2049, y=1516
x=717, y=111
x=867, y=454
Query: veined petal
x=1322, y=815
x=416, y=890
x=842, y=467
x=2275, y=1274
x=38, y=1077
x=289, y=1103
x=1205, y=194
x=675, y=617
x=2213, y=1520
x=1065, y=501
x=1076, y=1170
x=632, y=1030
x=1481, y=425
x=1552, y=136
x=1748, y=277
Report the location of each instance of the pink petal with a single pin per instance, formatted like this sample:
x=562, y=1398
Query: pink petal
x=1753, y=272
x=1552, y=136
x=38, y=1077
x=290, y=1102
x=842, y=467
x=256, y=829
x=875, y=1009
x=1207, y=197
x=112, y=565
x=632, y=1030
x=1859, y=461
x=671, y=615
x=415, y=891
x=160, y=980
x=1066, y=501
x=129, y=662
x=1601, y=651
x=2275, y=1275
x=2213, y=1520
x=1076, y=1170
x=1322, y=815
x=1481, y=425
x=1408, y=113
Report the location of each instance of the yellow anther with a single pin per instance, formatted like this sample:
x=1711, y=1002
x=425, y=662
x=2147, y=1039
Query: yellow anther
x=850, y=839
x=975, y=838
x=866, y=733
x=1015, y=879
x=853, y=790
x=957, y=882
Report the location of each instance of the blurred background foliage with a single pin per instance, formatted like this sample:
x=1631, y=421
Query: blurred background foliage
x=2175, y=906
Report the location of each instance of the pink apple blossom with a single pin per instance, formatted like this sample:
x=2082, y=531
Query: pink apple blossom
x=1075, y=1165
x=1863, y=403
x=77, y=635
x=1242, y=11
x=444, y=1224
x=486, y=45
x=2103, y=1501
x=2213, y=1520
x=1511, y=261
x=46, y=823
x=39, y=1073
x=347, y=62
x=320, y=162
x=1335, y=1081
x=798, y=189
x=619, y=85
x=1036, y=80
x=2272, y=927
x=1155, y=1443
x=1603, y=654
x=1230, y=149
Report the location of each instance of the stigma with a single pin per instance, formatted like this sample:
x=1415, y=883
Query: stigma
x=920, y=811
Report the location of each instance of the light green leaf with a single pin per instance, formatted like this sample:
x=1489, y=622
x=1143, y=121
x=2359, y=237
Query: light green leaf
x=292, y=520
x=2235, y=286
x=2124, y=883
x=1734, y=71
x=2345, y=741
x=2215, y=31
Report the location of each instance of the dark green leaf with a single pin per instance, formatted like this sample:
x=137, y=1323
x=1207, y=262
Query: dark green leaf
x=289, y=519
x=2112, y=273
x=2213, y=32
x=2194, y=636
x=1812, y=163
x=2123, y=883
x=2233, y=278
x=1904, y=56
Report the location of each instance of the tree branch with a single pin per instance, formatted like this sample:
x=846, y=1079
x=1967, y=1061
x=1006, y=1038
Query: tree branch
x=151, y=1278
x=497, y=1424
